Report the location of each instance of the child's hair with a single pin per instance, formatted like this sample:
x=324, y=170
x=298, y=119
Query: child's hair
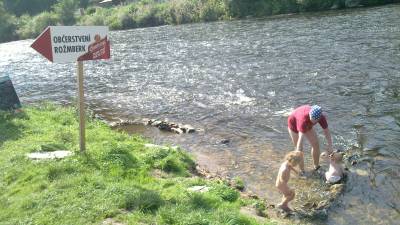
x=294, y=157
x=337, y=156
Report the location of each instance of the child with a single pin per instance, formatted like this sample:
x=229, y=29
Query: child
x=335, y=172
x=292, y=159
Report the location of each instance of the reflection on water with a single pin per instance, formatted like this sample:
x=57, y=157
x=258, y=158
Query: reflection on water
x=238, y=80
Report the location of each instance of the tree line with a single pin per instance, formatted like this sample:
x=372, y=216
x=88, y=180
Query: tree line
x=21, y=19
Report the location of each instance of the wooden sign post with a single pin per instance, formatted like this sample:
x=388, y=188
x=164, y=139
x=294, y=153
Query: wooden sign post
x=81, y=107
x=62, y=44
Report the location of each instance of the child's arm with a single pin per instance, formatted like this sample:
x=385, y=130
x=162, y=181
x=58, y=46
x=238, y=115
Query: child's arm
x=294, y=170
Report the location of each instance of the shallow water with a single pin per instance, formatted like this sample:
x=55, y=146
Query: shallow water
x=238, y=81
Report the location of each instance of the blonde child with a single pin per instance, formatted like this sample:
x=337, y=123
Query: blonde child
x=292, y=159
x=335, y=171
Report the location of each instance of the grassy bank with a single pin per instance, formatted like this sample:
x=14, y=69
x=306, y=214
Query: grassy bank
x=145, y=13
x=117, y=178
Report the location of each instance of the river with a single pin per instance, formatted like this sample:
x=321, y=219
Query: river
x=238, y=81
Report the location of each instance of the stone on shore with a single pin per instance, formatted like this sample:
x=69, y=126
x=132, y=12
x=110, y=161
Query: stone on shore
x=49, y=155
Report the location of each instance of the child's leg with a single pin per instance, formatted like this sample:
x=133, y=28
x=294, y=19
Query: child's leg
x=288, y=196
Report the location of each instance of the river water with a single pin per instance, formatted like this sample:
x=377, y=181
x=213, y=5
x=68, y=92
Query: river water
x=238, y=80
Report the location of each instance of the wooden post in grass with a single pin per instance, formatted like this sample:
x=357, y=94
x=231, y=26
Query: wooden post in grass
x=81, y=107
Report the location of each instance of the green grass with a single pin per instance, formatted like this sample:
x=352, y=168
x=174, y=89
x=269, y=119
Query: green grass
x=112, y=180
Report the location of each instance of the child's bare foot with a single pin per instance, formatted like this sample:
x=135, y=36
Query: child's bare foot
x=284, y=208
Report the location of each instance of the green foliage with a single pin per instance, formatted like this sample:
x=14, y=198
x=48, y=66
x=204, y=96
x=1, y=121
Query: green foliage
x=7, y=25
x=143, y=200
x=238, y=183
x=30, y=27
x=146, y=14
x=31, y=7
x=316, y=5
x=260, y=208
x=118, y=155
x=183, y=11
x=225, y=193
x=65, y=10
x=202, y=201
x=52, y=147
x=95, y=19
x=212, y=10
x=170, y=160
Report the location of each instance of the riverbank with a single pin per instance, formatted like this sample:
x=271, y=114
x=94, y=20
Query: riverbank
x=120, y=178
x=156, y=13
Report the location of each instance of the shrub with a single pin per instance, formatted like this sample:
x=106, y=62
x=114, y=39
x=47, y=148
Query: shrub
x=90, y=11
x=183, y=11
x=202, y=201
x=228, y=217
x=118, y=155
x=212, y=10
x=65, y=10
x=238, y=183
x=225, y=193
x=96, y=19
x=56, y=171
x=31, y=27
x=143, y=200
x=7, y=25
x=147, y=15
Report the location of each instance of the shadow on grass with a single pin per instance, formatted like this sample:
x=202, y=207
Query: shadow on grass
x=9, y=130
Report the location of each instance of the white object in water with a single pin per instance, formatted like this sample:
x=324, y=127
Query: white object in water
x=49, y=155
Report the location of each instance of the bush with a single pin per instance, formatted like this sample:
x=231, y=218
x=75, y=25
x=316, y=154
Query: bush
x=7, y=25
x=96, y=19
x=202, y=201
x=65, y=10
x=183, y=11
x=143, y=200
x=31, y=27
x=225, y=193
x=212, y=10
x=316, y=5
x=118, y=155
x=120, y=18
x=90, y=11
x=148, y=15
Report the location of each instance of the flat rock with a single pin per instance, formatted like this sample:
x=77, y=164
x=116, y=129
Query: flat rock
x=49, y=155
x=200, y=189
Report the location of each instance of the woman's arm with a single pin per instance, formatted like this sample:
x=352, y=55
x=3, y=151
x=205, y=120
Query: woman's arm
x=294, y=170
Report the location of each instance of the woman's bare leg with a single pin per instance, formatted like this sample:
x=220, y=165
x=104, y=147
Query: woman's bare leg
x=295, y=137
x=311, y=136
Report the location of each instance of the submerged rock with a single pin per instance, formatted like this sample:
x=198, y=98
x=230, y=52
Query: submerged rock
x=170, y=126
x=163, y=125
